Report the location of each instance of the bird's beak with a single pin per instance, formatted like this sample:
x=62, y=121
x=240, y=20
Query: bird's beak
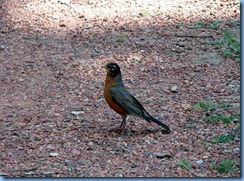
x=105, y=67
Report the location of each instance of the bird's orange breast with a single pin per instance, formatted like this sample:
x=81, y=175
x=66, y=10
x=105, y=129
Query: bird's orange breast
x=109, y=83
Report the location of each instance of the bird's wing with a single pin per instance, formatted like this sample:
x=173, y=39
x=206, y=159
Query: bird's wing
x=127, y=101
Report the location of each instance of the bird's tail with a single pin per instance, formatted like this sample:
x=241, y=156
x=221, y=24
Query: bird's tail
x=160, y=124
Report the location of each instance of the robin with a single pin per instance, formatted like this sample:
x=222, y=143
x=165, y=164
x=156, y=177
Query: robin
x=122, y=101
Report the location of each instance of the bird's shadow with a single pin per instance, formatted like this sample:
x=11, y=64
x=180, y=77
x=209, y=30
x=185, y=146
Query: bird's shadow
x=135, y=133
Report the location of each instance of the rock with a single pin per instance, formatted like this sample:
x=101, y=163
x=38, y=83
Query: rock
x=67, y=163
x=2, y=47
x=3, y=174
x=77, y=113
x=205, y=157
x=53, y=154
x=21, y=79
x=231, y=86
x=174, y=89
x=90, y=143
x=186, y=107
x=163, y=155
x=199, y=161
x=125, y=144
x=165, y=107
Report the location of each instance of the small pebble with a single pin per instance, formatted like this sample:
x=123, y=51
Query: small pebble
x=3, y=174
x=77, y=113
x=53, y=154
x=199, y=161
x=236, y=149
x=21, y=79
x=2, y=47
x=174, y=89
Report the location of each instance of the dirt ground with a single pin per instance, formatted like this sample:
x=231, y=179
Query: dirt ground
x=51, y=53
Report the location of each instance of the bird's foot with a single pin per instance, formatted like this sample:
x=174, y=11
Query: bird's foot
x=118, y=130
x=166, y=131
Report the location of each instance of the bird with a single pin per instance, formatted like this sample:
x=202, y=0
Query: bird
x=121, y=100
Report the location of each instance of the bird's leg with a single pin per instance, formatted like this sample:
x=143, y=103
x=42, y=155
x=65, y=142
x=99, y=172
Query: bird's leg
x=122, y=125
x=125, y=118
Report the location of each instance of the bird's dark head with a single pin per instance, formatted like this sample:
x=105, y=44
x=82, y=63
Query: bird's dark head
x=113, y=69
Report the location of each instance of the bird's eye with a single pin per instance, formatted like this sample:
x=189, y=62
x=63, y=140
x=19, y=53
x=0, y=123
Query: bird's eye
x=113, y=67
